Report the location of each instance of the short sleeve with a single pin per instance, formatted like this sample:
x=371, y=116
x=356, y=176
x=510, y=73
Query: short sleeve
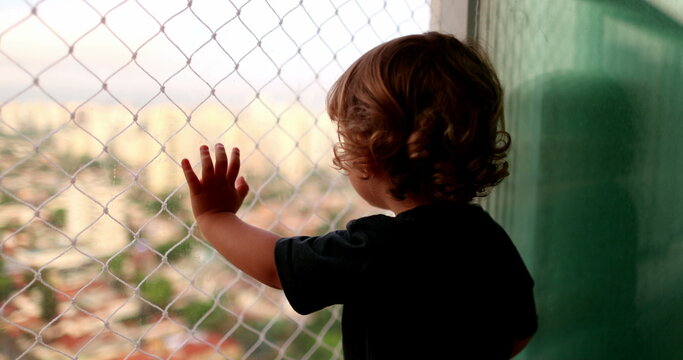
x=523, y=313
x=527, y=323
x=319, y=271
x=518, y=285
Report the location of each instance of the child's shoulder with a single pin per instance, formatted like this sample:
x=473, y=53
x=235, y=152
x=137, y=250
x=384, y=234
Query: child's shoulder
x=441, y=208
x=435, y=215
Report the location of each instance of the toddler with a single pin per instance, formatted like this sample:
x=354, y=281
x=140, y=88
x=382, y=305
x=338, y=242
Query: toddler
x=420, y=125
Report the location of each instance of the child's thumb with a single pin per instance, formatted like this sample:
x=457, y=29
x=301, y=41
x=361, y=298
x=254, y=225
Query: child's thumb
x=242, y=188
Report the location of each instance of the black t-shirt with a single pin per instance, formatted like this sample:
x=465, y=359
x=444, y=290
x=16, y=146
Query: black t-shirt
x=439, y=281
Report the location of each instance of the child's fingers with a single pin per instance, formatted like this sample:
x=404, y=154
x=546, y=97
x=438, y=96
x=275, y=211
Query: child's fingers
x=207, y=164
x=221, y=161
x=190, y=177
x=233, y=166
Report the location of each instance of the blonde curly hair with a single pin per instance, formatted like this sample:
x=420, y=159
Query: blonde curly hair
x=428, y=109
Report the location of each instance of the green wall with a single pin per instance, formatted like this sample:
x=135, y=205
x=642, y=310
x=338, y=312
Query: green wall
x=594, y=202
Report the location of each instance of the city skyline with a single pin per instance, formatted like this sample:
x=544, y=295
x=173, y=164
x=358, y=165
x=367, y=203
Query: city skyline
x=99, y=101
x=74, y=252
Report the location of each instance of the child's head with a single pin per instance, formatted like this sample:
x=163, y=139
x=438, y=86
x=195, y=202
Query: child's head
x=428, y=110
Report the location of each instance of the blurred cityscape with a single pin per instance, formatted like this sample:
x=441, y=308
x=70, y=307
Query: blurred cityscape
x=99, y=256
x=99, y=102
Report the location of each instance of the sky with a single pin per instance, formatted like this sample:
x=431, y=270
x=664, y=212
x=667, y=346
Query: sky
x=279, y=49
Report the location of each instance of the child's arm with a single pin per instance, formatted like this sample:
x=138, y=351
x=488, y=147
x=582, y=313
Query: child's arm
x=215, y=199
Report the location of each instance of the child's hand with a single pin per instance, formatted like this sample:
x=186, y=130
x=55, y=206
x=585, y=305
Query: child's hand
x=219, y=190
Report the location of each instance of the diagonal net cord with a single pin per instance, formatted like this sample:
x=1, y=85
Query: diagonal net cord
x=227, y=324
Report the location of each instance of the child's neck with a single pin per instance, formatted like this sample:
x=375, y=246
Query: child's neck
x=386, y=201
x=398, y=207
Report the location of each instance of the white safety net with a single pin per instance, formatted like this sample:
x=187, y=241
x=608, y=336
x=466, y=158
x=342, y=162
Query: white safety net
x=100, y=257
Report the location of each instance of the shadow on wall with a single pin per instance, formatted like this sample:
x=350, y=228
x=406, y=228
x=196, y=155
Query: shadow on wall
x=608, y=248
x=586, y=220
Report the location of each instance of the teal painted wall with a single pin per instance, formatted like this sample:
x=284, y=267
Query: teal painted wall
x=594, y=203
